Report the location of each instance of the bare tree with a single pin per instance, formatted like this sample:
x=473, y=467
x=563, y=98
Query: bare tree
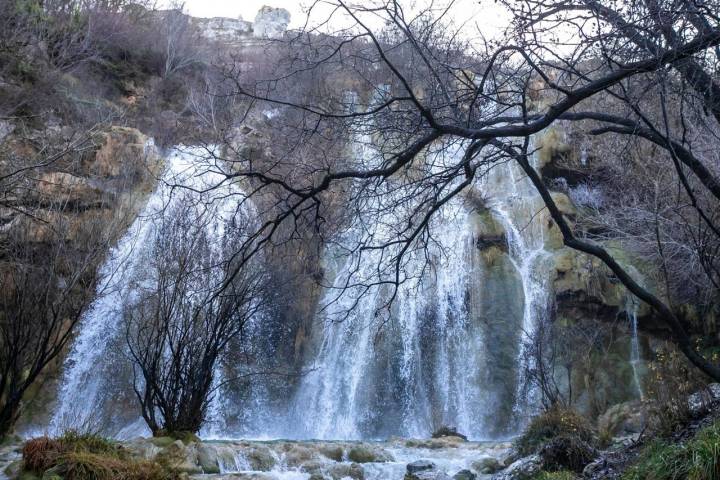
x=442, y=109
x=180, y=324
x=47, y=275
x=179, y=40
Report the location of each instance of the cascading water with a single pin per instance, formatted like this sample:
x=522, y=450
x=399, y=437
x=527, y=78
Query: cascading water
x=632, y=308
x=97, y=383
x=448, y=352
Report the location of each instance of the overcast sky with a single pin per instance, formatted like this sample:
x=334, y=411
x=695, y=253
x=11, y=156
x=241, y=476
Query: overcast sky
x=484, y=13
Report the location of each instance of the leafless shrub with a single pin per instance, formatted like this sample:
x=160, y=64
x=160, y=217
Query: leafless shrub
x=181, y=322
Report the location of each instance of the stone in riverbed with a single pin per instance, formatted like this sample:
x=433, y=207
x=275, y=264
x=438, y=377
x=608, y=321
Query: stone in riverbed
x=424, y=470
x=207, y=457
x=420, y=466
x=333, y=452
x=368, y=454
x=487, y=465
x=340, y=471
x=428, y=475
x=260, y=458
x=464, y=475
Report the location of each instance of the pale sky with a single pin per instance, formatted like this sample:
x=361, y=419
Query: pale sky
x=488, y=16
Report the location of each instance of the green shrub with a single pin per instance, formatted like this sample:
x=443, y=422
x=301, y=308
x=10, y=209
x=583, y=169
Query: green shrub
x=551, y=424
x=698, y=459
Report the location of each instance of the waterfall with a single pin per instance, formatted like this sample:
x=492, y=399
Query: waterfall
x=448, y=351
x=96, y=386
x=434, y=359
x=632, y=308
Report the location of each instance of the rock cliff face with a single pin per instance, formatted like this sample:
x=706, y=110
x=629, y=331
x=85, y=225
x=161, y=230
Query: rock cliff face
x=87, y=198
x=271, y=22
x=268, y=23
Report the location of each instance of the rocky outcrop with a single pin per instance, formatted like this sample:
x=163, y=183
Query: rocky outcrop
x=225, y=30
x=523, y=469
x=271, y=22
x=84, y=199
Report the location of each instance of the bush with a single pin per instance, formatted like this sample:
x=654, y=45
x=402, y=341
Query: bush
x=698, y=459
x=554, y=423
x=75, y=456
x=567, y=452
x=670, y=381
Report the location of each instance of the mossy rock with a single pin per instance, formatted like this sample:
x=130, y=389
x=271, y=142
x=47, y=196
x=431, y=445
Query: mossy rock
x=341, y=471
x=261, y=459
x=365, y=454
x=207, y=457
x=333, y=452
x=162, y=442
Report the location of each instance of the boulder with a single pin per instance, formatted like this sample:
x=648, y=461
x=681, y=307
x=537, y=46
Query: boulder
x=260, y=458
x=524, y=469
x=420, y=466
x=599, y=469
x=623, y=419
x=428, y=475
x=299, y=454
x=333, y=452
x=271, y=22
x=487, y=465
x=65, y=188
x=180, y=457
x=699, y=403
x=207, y=457
x=368, y=454
x=339, y=471
x=464, y=475
x=444, y=432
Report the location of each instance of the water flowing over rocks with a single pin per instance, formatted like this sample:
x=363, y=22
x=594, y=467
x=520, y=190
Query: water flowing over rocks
x=393, y=460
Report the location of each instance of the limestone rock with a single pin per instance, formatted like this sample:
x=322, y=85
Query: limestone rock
x=699, y=402
x=599, y=469
x=368, y=454
x=271, y=22
x=207, y=458
x=424, y=470
x=464, y=475
x=523, y=469
x=487, y=465
x=65, y=188
x=623, y=419
x=227, y=30
x=260, y=458
x=419, y=466
x=333, y=452
x=340, y=471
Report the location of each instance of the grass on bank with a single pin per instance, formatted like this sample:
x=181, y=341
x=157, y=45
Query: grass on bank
x=75, y=456
x=697, y=459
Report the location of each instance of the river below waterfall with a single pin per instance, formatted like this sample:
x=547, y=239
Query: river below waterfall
x=290, y=460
